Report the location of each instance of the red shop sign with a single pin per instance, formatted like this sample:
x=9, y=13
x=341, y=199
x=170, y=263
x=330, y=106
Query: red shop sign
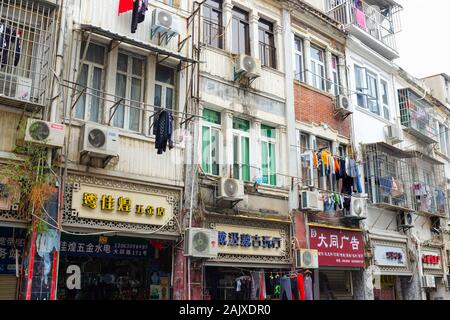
x=431, y=259
x=337, y=248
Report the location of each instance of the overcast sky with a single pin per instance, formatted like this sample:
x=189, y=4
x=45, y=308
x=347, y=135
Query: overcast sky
x=424, y=42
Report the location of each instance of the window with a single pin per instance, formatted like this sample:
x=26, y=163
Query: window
x=372, y=93
x=307, y=164
x=213, y=30
x=240, y=32
x=442, y=139
x=447, y=141
x=359, y=82
x=164, y=87
x=267, y=52
x=318, y=68
x=241, y=149
x=91, y=76
x=172, y=3
x=268, y=155
x=129, y=86
x=385, y=99
x=335, y=75
x=448, y=90
x=299, y=62
x=211, y=142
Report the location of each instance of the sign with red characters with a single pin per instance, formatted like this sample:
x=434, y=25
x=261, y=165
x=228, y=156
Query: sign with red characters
x=431, y=259
x=337, y=247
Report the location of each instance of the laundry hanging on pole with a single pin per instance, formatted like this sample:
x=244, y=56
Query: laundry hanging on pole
x=163, y=129
x=140, y=7
x=125, y=6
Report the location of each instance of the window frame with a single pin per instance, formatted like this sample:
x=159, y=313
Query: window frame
x=240, y=135
x=336, y=78
x=217, y=127
x=315, y=65
x=269, y=141
x=299, y=59
x=219, y=22
x=263, y=45
x=128, y=87
x=164, y=86
x=385, y=84
x=246, y=23
x=87, y=98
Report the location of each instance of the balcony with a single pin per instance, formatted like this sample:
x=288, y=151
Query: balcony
x=417, y=116
x=374, y=22
x=213, y=34
x=27, y=28
x=388, y=177
x=429, y=185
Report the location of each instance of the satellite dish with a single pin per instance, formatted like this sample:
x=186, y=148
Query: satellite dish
x=39, y=131
x=97, y=138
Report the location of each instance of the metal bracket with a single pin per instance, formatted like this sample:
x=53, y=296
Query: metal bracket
x=78, y=98
x=182, y=43
x=187, y=120
x=115, y=105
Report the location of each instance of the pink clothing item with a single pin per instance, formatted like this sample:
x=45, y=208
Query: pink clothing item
x=360, y=18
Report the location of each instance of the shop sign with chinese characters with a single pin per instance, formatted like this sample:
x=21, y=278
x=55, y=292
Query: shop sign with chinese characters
x=95, y=202
x=431, y=260
x=10, y=240
x=390, y=256
x=337, y=247
x=113, y=247
x=250, y=241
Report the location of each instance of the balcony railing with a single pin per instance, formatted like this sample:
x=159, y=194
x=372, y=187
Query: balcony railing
x=380, y=23
x=27, y=29
x=267, y=54
x=387, y=176
x=429, y=199
x=417, y=116
x=213, y=34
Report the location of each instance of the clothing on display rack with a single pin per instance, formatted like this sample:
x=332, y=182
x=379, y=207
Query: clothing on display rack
x=308, y=284
x=294, y=288
x=163, y=129
x=301, y=286
x=285, y=287
x=243, y=287
x=8, y=37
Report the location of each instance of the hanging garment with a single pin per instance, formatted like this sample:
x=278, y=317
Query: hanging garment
x=262, y=285
x=45, y=244
x=360, y=18
x=9, y=36
x=347, y=204
x=238, y=285
x=440, y=199
x=301, y=286
x=254, y=292
x=163, y=129
x=125, y=5
x=139, y=9
x=337, y=168
x=325, y=155
x=328, y=204
x=308, y=287
x=285, y=287
x=315, y=161
x=347, y=187
x=294, y=288
x=359, y=188
x=386, y=184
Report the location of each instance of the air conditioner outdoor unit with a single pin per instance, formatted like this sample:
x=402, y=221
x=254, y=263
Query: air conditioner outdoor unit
x=166, y=22
x=99, y=141
x=343, y=104
x=310, y=200
x=201, y=243
x=46, y=133
x=248, y=66
x=307, y=259
x=428, y=281
x=231, y=189
x=15, y=86
x=358, y=207
x=394, y=134
x=405, y=220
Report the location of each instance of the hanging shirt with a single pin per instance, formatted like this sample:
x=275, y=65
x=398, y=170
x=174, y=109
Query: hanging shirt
x=9, y=37
x=308, y=283
x=315, y=161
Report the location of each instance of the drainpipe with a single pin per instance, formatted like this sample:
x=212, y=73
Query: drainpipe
x=419, y=251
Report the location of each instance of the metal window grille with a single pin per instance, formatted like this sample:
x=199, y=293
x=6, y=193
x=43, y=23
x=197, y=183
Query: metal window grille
x=26, y=49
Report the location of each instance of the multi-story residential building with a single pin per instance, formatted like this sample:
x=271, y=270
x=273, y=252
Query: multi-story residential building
x=244, y=184
x=27, y=53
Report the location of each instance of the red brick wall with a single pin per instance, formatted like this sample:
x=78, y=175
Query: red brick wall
x=313, y=106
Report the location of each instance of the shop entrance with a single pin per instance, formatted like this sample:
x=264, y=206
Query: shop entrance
x=387, y=288
x=114, y=268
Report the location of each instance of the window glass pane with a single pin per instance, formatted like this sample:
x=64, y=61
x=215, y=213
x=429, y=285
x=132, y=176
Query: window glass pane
x=240, y=14
x=138, y=67
x=235, y=38
x=169, y=98
x=241, y=124
x=81, y=104
x=122, y=62
x=272, y=166
x=164, y=74
x=158, y=94
x=95, y=53
x=121, y=85
x=384, y=92
x=243, y=37
x=215, y=152
x=134, y=112
x=211, y=116
x=206, y=149
x=267, y=131
x=386, y=113
x=95, y=98
x=245, y=156
x=316, y=54
x=264, y=162
x=236, y=164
